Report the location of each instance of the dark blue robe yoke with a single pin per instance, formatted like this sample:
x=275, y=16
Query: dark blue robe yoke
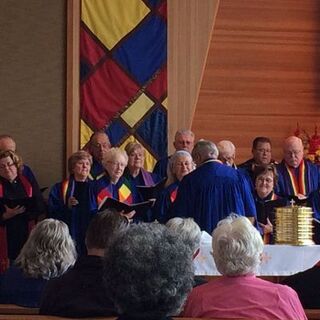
x=163, y=204
x=312, y=178
x=161, y=166
x=78, y=217
x=97, y=170
x=211, y=193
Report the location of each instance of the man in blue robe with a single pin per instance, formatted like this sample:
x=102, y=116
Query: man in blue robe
x=212, y=191
x=98, y=146
x=299, y=177
x=183, y=140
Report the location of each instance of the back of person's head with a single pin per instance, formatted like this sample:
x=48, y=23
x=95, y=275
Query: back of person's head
x=49, y=250
x=103, y=227
x=237, y=246
x=187, y=230
x=148, y=271
x=204, y=150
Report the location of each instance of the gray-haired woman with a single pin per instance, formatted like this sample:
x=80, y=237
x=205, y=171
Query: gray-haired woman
x=48, y=253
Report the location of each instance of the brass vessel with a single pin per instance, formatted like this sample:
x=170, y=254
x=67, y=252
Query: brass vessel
x=293, y=225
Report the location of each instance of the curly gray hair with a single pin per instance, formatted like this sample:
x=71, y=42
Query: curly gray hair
x=148, y=271
x=187, y=230
x=49, y=250
x=237, y=246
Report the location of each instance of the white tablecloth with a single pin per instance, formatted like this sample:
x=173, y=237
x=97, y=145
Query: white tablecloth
x=278, y=260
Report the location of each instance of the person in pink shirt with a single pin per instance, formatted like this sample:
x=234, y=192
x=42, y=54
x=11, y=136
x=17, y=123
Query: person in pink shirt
x=237, y=251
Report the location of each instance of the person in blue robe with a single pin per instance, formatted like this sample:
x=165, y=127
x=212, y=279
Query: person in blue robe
x=266, y=200
x=183, y=140
x=74, y=200
x=114, y=185
x=212, y=191
x=299, y=177
x=98, y=146
x=21, y=203
x=135, y=171
x=180, y=165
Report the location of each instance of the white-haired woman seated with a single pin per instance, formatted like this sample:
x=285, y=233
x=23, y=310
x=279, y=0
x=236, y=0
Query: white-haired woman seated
x=237, y=250
x=48, y=253
x=180, y=164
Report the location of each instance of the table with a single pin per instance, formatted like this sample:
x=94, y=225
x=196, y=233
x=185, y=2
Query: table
x=278, y=260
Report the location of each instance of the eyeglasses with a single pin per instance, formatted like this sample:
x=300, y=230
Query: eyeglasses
x=264, y=150
x=117, y=164
x=6, y=165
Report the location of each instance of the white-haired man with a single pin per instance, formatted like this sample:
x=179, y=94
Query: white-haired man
x=299, y=177
x=227, y=153
x=183, y=140
x=212, y=191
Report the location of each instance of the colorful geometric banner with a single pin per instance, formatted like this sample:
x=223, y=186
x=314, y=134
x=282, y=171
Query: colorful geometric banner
x=123, y=57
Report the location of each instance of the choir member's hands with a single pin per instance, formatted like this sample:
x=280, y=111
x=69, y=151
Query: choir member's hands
x=12, y=212
x=267, y=228
x=72, y=201
x=128, y=215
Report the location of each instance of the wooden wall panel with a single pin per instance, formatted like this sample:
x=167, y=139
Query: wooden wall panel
x=190, y=24
x=261, y=74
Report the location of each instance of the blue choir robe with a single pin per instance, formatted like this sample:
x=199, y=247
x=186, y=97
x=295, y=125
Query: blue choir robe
x=97, y=170
x=144, y=178
x=311, y=180
x=163, y=204
x=78, y=217
x=123, y=191
x=211, y=192
x=161, y=166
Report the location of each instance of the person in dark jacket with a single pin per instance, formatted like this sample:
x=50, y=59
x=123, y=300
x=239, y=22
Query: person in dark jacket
x=80, y=292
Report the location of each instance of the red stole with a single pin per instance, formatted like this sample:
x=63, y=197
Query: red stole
x=4, y=260
x=298, y=183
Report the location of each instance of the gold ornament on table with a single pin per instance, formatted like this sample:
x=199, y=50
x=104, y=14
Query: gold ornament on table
x=294, y=225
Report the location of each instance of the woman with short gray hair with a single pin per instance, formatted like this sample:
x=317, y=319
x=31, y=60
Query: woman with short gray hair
x=237, y=251
x=180, y=164
x=48, y=253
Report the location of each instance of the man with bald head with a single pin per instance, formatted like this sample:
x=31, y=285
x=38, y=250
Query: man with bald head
x=212, y=191
x=297, y=176
x=98, y=146
x=227, y=153
x=183, y=140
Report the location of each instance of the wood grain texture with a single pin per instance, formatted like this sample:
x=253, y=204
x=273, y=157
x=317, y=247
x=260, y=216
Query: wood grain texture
x=262, y=73
x=190, y=24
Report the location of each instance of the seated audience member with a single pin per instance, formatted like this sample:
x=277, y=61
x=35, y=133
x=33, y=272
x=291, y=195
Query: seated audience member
x=190, y=234
x=180, y=164
x=306, y=284
x=183, y=140
x=48, y=253
x=80, y=291
x=299, y=177
x=7, y=143
x=134, y=171
x=237, y=249
x=227, y=153
x=261, y=151
x=265, y=180
x=113, y=184
x=74, y=200
x=98, y=146
x=213, y=190
x=21, y=203
x=148, y=272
